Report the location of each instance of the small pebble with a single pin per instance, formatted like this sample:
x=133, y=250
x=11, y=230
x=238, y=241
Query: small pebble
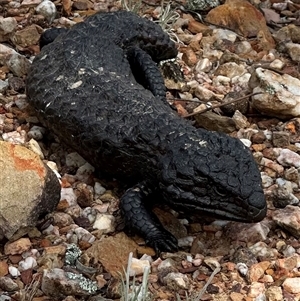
x=28, y=263
x=242, y=268
x=48, y=9
x=14, y=272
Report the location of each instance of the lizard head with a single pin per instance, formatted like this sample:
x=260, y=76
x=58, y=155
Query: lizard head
x=215, y=175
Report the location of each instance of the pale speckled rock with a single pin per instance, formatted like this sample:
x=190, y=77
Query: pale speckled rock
x=289, y=219
x=248, y=233
x=289, y=158
x=166, y=265
x=15, y=137
x=273, y=166
x=22, y=169
x=288, y=251
x=137, y=267
x=7, y=27
x=90, y=214
x=231, y=70
x=262, y=250
x=293, y=50
x=212, y=262
x=292, y=285
x=27, y=263
x=176, y=281
x=256, y=289
x=277, y=64
x=84, y=172
x=48, y=9
x=35, y=147
x=18, y=64
x=14, y=272
x=243, y=47
x=84, y=235
x=185, y=241
x=3, y=86
x=62, y=219
x=266, y=180
x=205, y=94
x=30, y=3
x=281, y=93
x=289, y=264
x=68, y=195
x=104, y=222
x=284, y=193
x=241, y=81
x=246, y=142
x=274, y=293
x=99, y=189
x=224, y=34
x=292, y=174
x=57, y=283
x=242, y=268
x=240, y=120
x=203, y=65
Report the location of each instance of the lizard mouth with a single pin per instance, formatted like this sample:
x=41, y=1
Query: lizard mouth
x=247, y=214
x=256, y=214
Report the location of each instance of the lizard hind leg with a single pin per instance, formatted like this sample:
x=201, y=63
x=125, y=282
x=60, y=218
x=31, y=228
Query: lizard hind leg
x=146, y=72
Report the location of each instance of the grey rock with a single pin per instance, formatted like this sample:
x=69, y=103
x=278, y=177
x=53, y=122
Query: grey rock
x=289, y=158
x=288, y=218
x=57, y=283
x=294, y=51
x=8, y=285
x=3, y=86
x=18, y=64
x=215, y=122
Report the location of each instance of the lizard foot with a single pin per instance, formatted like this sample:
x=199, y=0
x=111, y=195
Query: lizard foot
x=162, y=241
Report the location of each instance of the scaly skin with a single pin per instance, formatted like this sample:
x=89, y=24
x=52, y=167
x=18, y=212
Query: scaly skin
x=84, y=89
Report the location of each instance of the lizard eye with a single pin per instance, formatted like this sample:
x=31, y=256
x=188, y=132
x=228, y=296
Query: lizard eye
x=220, y=191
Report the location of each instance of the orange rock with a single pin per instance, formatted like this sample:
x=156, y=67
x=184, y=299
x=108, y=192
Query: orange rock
x=195, y=42
x=245, y=19
x=17, y=247
x=67, y=6
x=197, y=27
x=3, y=268
x=189, y=57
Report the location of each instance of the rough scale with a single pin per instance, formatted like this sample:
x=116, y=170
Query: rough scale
x=98, y=88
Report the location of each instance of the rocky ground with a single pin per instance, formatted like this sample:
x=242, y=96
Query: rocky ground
x=250, y=58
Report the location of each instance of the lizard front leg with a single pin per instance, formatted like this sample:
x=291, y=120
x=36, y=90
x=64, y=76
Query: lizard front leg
x=144, y=222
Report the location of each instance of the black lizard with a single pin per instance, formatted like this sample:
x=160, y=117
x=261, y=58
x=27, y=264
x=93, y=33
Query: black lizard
x=97, y=87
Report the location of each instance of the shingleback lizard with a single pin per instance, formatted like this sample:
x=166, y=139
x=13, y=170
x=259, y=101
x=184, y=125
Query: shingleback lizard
x=98, y=88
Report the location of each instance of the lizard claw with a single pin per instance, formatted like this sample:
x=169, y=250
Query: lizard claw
x=162, y=242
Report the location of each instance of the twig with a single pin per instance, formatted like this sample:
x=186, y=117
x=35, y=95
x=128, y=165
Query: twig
x=222, y=105
x=216, y=271
x=185, y=99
